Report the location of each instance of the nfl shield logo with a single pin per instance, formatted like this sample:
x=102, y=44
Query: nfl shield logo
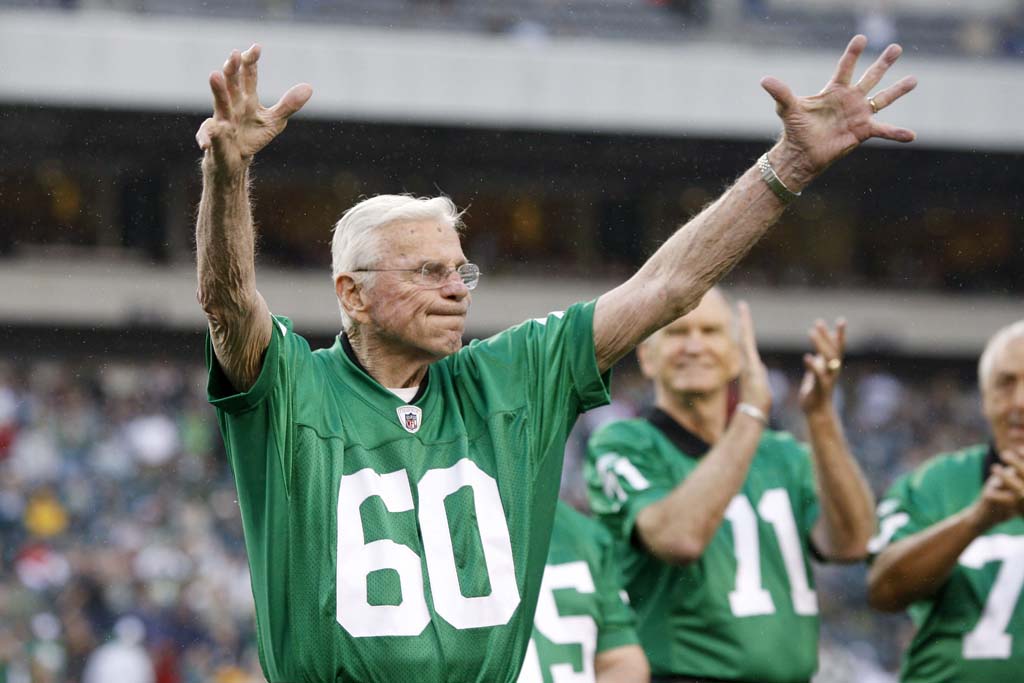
x=410, y=417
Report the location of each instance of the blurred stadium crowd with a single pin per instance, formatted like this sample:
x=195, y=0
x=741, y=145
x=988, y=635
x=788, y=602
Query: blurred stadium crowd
x=116, y=501
x=113, y=494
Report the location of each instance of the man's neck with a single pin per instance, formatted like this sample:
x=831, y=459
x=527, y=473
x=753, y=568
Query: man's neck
x=703, y=415
x=393, y=367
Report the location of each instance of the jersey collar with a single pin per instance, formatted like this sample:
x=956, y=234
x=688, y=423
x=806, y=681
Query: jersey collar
x=991, y=458
x=346, y=346
x=683, y=439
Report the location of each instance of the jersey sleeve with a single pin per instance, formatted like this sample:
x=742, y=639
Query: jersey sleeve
x=256, y=424
x=549, y=364
x=623, y=476
x=617, y=626
x=902, y=512
x=940, y=487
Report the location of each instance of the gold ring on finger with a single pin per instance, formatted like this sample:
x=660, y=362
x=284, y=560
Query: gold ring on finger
x=834, y=364
x=873, y=105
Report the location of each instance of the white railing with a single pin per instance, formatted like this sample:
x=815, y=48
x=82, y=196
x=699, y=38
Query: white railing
x=116, y=294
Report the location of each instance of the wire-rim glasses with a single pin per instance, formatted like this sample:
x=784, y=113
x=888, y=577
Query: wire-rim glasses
x=434, y=274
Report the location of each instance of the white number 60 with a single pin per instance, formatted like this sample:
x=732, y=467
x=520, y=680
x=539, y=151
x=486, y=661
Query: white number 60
x=356, y=558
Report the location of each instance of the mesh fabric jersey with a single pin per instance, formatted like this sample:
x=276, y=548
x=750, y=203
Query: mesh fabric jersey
x=746, y=610
x=390, y=542
x=972, y=629
x=581, y=611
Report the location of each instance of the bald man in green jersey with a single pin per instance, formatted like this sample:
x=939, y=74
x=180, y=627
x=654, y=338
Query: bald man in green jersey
x=950, y=543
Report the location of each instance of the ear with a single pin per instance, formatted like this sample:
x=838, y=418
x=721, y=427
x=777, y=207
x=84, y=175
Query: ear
x=352, y=296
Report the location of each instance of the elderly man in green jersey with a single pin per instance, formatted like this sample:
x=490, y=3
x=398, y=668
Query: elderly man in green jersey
x=397, y=490
x=950, y=545
x=584, y=630
x=718, y=514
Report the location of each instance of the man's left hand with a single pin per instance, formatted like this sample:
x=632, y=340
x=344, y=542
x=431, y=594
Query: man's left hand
x=820, y=129
x=823, y=367
x=1013, y=474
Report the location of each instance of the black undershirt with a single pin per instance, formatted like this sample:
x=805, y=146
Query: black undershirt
x=991, y=458
x=692, y=445
x=681, y=437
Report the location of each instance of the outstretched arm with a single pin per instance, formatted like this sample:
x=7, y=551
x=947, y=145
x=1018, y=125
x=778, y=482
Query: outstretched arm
x=915, y=567
x=847, y=506
x=818, y=130
x=626, y=664
x=239, y=319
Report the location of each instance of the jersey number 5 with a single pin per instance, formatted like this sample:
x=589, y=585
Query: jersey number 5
x=357, y=559
x=578, y=630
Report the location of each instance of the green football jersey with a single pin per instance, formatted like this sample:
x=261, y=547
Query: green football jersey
x=747, y=609
x=581, y=610
x=972, y=629
x=391, y=541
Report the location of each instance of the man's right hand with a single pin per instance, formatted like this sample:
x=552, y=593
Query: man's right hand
x=1001, y=497
x=753, y=384
x=240, y=126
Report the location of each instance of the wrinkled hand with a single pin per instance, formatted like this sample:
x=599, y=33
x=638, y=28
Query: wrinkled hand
x=822, y=368
x=240, y=126
x=753, y=380
x=1012, y=475
x=1002, y=496
x=824, y=127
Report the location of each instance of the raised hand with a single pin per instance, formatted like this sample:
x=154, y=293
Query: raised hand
x=1001, y=497
x=240, y=126
x=822, y=368
x=824, y=127
x=1011, y=475
x=753, y=384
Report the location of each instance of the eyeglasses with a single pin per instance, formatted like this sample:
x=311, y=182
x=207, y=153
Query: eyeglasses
x=434, y=274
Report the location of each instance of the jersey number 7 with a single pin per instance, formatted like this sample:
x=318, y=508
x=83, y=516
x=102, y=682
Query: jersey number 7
x=989, y=639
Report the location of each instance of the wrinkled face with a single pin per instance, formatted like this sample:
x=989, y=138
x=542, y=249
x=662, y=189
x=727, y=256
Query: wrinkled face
x=1002, y=394
x=696, y=354
x=426, y=321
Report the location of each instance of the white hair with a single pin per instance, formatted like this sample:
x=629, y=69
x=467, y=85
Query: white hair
x=995, y=343
x=355, y=242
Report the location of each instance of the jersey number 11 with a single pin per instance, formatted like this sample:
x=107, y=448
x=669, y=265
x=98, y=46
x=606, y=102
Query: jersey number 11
x=749, y=598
